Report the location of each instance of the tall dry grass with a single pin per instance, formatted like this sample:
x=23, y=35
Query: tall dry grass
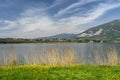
x=53, y=56
x=8, y=59
x=110, y=58
x=100, y=58
x=61, y=56
x=64, y=56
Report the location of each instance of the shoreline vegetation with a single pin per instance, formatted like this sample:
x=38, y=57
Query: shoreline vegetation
x=59, y=64
x=63, y=56
x=83, y=40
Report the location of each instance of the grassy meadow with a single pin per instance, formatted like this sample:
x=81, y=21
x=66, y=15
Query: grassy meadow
x=76, y=72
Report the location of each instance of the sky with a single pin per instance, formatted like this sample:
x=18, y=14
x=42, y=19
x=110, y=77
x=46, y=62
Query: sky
x=39, y=18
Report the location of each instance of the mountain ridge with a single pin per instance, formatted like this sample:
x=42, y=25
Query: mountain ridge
x=60, y=36
x=109, y=30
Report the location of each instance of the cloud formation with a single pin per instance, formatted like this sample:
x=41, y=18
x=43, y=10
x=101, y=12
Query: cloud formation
x=36, y=22
x=90, y=15
x=74, y=6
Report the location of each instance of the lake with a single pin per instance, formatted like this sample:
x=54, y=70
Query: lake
x=86, y=53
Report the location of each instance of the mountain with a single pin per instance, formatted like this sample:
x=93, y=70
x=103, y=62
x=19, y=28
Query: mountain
x=60, y=36
x=107, y=31
x=110, y=30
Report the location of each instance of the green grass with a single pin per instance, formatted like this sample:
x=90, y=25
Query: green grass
x=77, y=72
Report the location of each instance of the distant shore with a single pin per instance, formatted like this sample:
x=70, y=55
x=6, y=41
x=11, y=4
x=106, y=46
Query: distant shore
x=19, y=40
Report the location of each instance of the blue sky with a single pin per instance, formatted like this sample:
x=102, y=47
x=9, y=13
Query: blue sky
x=38, y=18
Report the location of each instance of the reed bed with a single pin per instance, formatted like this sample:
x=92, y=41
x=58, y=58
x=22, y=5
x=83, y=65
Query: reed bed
x=53, y=56
x=110, y=58
x=64, y=56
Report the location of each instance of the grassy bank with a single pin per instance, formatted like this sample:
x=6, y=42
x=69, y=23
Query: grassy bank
x=77, y=72
x=105, y=67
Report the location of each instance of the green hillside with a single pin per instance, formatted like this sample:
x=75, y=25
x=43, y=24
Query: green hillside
x=110, y=30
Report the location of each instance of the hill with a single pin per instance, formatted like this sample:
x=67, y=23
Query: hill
x=110, y=30
x=60, y=36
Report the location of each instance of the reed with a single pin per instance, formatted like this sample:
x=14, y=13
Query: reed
x=97, y=58
x=53, y=56
x=9, y=59
x=110, y=58
x=61, y=56
x=64, y=56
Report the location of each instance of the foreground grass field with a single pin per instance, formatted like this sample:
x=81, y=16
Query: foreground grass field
x=77, y=72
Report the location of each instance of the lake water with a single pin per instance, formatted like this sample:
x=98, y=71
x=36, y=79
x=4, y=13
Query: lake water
x=85, y=51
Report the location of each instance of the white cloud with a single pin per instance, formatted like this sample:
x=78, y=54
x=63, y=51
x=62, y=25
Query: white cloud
x=73, y=6
x=102, y=9
x=34, y=23
x=7, y=24
x=54, y=4
x=91, y=15
x=37, y=23
x=34, y=26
